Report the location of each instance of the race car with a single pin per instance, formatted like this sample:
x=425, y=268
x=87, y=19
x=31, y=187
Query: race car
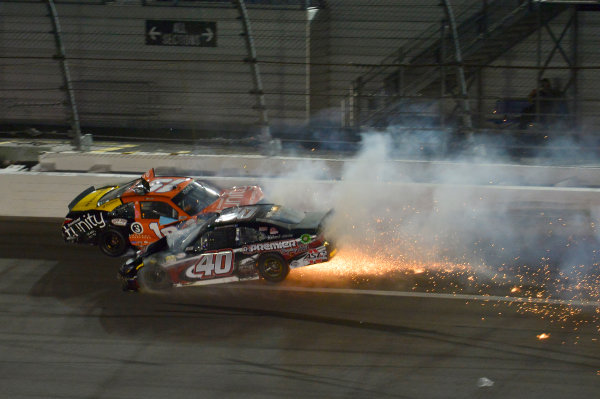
x=137, y=213
x=239, y=243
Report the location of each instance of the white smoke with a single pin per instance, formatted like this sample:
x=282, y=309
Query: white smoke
x=432, y=212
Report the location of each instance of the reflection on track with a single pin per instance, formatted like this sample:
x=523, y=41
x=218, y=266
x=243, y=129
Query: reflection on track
x=66, y=330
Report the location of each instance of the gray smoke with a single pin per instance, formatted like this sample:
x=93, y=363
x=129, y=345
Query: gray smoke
x=462, y=209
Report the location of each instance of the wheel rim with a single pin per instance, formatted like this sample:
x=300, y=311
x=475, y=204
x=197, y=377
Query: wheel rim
x=158, y=276
x=112, y=242
x=273, y=267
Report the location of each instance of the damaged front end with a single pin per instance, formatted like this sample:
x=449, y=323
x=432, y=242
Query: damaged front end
x=130, y=270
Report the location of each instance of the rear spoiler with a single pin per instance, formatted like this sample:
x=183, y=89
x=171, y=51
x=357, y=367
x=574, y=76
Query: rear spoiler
x=80, y=197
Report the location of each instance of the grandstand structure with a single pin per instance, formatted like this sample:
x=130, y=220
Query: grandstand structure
x=232, y=69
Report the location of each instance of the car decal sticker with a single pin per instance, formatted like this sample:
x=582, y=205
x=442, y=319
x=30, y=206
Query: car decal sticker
x=84, y=224
x=137, y=228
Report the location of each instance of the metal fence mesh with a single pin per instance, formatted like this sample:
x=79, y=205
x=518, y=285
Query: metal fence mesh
x=325, y=66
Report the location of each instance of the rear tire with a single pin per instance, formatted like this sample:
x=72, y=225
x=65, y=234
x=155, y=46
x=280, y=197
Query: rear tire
x=112, y=243
x=273, y=268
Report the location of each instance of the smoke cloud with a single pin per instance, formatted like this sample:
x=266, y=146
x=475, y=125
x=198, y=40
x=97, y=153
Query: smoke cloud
x=461, y=210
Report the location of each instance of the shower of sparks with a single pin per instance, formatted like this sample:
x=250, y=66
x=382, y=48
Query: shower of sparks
x=384, y=257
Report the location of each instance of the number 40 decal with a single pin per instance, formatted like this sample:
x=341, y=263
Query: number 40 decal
x=212, y=264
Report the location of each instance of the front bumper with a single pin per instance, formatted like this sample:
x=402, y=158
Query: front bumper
x=128, y=274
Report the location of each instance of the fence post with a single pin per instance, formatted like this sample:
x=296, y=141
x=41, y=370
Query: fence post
x=357, y=101
x=442, y=61
x=460, y=71
x=261, y=106
x=75, y=126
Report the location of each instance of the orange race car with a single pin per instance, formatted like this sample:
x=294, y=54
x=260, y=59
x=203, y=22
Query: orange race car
x=137, y=213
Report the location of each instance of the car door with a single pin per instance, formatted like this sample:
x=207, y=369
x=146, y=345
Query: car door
x=213, y=255
x=153, y=216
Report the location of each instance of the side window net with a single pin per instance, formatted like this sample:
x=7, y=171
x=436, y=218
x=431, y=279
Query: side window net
x=155, y=209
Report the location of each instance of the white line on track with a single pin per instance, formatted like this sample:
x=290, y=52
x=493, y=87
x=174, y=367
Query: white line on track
x=486, y=298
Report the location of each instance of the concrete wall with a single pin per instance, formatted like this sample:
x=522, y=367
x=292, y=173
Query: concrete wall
x=32, y=194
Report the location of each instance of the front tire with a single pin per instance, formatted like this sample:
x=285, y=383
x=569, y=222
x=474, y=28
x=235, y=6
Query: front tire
x=154, y=278
x=273, y=268
x=112, y=243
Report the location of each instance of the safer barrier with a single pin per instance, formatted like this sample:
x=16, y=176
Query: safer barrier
x=45, y=194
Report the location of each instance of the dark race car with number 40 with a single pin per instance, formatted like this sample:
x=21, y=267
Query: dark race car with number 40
x=238, y=243
x=137, y=213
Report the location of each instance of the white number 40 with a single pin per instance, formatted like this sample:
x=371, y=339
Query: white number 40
x=214, y=264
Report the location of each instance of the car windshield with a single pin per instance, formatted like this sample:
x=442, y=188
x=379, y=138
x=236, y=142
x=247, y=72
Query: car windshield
x=285, y=215
x=195, y=197
x=116, y=193
x=181, y=239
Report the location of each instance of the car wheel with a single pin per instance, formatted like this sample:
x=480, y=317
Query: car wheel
x=273, y=268
x=154, y=278
x=112, y=243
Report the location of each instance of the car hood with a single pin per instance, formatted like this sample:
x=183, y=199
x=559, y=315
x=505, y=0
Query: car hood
x=236, y=196
x=90, y=200
x=312, y=223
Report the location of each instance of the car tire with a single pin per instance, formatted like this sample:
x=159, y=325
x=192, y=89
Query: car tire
x=112, y=243
x=273, y=268
x=153, y=278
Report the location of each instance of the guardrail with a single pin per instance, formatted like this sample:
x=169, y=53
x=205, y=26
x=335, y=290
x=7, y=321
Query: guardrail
x=320, y=168
x=39, y=194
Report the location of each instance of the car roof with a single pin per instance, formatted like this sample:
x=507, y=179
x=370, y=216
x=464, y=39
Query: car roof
x=246, y=213
x=160, y=186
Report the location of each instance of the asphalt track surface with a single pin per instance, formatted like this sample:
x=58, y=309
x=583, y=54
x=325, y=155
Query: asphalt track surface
x=67, y=331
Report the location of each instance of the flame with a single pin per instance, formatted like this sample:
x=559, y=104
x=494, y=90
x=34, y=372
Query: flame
x=543, y=336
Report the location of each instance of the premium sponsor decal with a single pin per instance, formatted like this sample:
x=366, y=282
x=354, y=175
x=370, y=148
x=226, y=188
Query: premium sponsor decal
x=269, y=246
x=84, y=224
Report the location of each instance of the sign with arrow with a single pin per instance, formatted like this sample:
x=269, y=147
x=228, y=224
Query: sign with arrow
x=181, y=33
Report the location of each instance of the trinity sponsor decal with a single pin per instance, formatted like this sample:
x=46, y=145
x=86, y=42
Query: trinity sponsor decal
x=83, y=224
x=269, y=246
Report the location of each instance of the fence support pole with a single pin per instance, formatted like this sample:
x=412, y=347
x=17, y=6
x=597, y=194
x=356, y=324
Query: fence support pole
x=460, y=70
x=261, y=106
x=442, y=109
x=75, y=126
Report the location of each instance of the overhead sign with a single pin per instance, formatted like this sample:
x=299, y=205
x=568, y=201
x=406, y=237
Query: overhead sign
x=181, y=33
